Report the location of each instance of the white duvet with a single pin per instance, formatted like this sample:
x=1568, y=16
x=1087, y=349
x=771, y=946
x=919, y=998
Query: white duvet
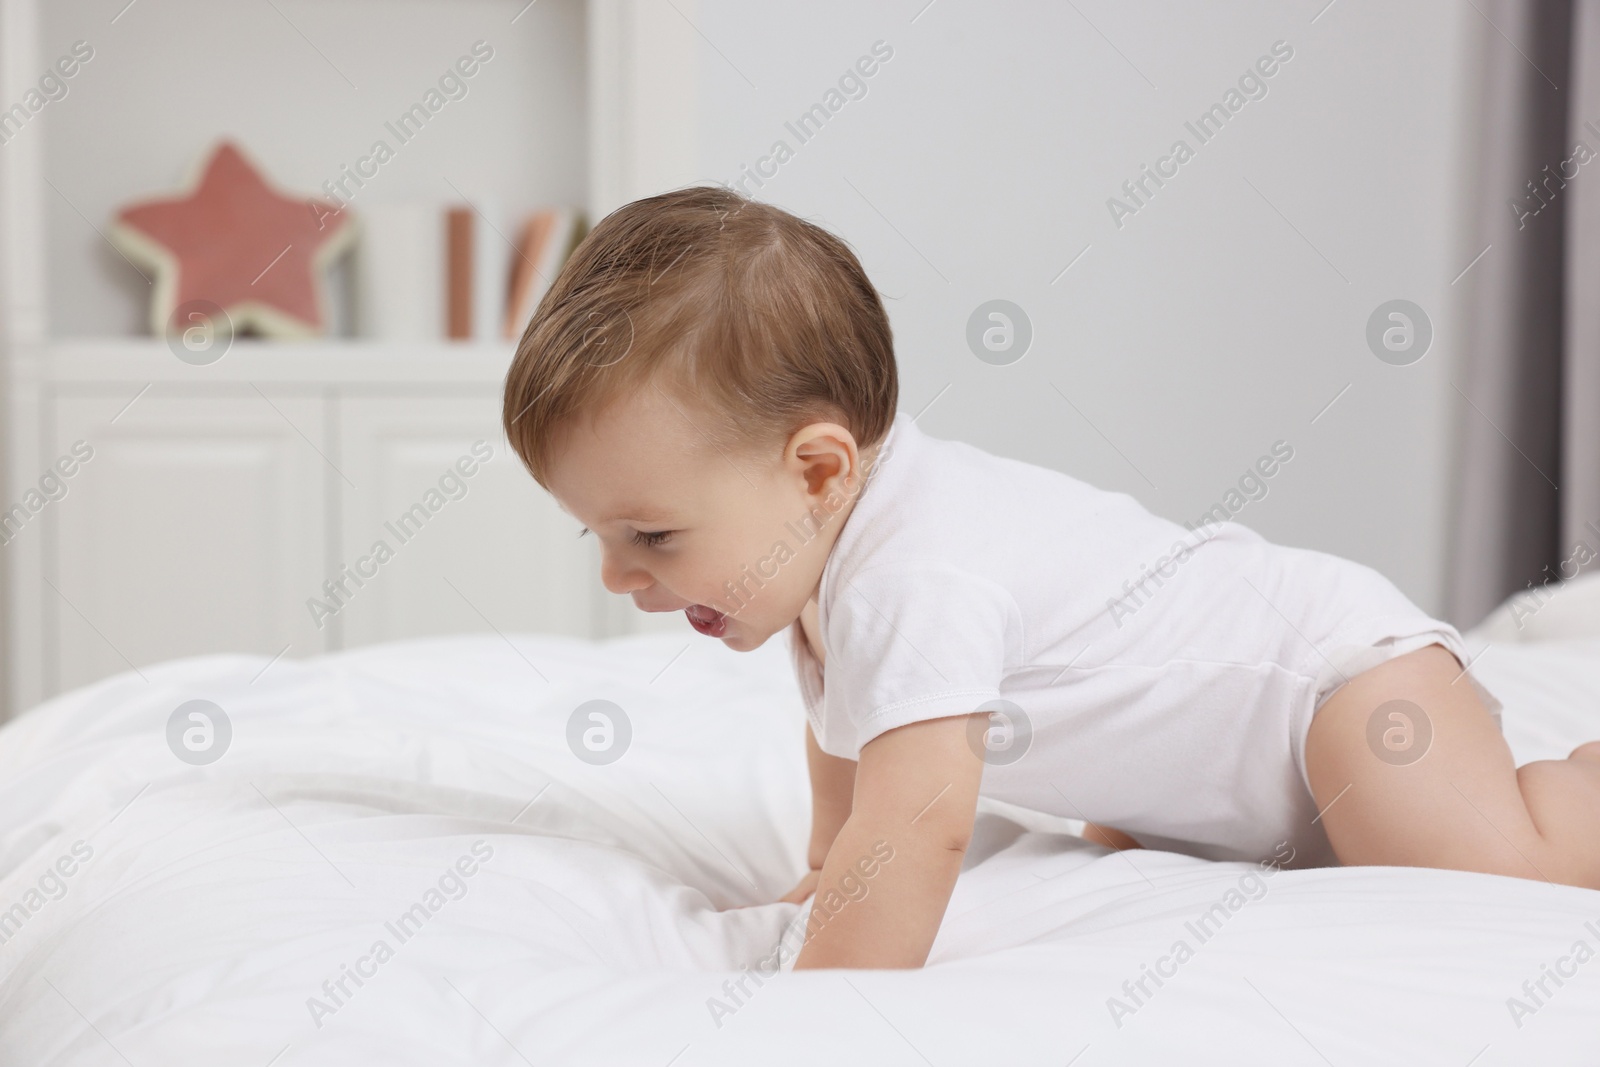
x=400, y=860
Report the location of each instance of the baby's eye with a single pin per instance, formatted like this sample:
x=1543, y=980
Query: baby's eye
x=651, y=539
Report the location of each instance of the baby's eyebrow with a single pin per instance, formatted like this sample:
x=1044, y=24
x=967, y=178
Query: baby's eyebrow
x=644, y=518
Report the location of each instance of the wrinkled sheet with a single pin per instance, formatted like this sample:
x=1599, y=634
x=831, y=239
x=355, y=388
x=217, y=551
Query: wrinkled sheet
x=601, y=923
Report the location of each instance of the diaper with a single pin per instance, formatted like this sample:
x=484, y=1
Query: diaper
x=1345, y=661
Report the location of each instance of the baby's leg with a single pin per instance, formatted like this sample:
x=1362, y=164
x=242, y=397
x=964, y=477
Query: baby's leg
x=1409, y=769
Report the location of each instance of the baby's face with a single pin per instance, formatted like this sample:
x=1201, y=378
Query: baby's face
x=728, y=538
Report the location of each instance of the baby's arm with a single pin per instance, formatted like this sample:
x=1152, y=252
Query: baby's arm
x=833, y=780
x=916, y=793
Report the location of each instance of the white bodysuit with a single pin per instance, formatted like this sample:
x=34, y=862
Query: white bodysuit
x=1147, y=677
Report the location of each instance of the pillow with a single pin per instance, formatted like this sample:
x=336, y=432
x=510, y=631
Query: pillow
x=1558, y=611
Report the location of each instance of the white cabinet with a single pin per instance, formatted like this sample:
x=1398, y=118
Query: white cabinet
x=187, y=531
x=291, y=518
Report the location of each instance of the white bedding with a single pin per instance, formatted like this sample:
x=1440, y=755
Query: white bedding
x=217, y=900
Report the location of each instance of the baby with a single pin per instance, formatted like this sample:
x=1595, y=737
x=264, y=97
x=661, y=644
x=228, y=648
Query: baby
x=709, y=387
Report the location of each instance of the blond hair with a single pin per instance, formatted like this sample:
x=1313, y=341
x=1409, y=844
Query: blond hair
x=762, y=320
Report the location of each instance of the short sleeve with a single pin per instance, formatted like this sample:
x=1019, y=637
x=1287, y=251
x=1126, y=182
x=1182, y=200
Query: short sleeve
x=913, y=641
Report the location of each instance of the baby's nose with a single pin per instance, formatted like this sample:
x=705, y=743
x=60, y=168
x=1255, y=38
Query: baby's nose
x=618, y=578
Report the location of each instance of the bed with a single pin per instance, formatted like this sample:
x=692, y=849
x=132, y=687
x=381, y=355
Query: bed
x=400, y=858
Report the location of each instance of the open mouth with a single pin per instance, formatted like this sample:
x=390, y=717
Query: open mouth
x=708, y=621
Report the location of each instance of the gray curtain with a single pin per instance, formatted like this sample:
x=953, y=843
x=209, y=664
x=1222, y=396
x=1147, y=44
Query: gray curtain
x=1527, y=391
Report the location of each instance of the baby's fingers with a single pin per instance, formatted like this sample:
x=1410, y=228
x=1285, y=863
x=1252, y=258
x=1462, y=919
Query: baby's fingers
x=807, y=886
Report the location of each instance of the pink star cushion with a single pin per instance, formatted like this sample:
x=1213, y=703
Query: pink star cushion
x=235, y=241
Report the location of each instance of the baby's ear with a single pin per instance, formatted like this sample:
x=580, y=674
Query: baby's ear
x=825, y=450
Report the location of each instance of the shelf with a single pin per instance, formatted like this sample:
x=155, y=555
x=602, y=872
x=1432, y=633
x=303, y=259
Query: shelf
x=148, y=359
x=208, y=513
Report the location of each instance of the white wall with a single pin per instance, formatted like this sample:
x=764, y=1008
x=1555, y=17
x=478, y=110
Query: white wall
x=977, y=166
x=1208, y=326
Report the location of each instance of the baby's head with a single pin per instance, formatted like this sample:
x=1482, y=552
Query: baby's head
x=704, y=387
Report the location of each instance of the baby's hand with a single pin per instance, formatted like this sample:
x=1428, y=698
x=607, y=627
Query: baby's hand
x=807, y=887
x=797, y=895
x=1109, y=836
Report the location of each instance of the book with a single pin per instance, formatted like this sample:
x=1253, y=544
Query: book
x=459, y=262
x=399, y=271
x=543, y=242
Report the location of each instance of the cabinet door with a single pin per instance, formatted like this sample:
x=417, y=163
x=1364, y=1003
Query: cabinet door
x=444, y=531
x=196, y=526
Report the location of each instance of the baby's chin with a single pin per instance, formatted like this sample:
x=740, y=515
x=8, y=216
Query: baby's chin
x=745, y=638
